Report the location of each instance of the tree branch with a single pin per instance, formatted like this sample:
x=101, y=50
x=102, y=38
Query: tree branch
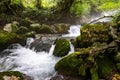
x=100, y=19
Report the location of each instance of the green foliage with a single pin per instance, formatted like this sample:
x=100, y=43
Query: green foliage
x=110, y=5
x=48, y=3
x=80, y=8
x=116, y=18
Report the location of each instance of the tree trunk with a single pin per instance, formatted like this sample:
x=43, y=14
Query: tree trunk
x=64, y=6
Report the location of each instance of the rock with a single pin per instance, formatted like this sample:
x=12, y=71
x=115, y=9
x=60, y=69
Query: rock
x=34, y=25
x=93, y=33
x=46, y=29
x=44, y=43
x=70, y=64
x=62, y=47
x=93, y=63
x=22, y=30
x=13, y=75
x=11, y=27
x=43, y=29
x=7, y=27
x=7, y=39
x=117, y=57
x=61, y=28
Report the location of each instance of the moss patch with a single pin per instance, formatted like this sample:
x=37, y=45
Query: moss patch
x=62, y=47
x=11, y=73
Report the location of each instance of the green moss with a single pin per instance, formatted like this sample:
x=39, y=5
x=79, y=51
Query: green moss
x=61, y=28
x=6, y=38
x=70, y=64
x=96, y=61
x=94, y=73
x=11, y=73
x=106, y=66
x=46, y=29
x=93, y=33
x=42, y=29
x=62, y=47
x=22, y=30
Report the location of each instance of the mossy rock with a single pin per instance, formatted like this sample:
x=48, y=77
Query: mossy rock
x=35, y=28
x=93, y=33
x=22, y=30
x=13, y=75
x=11, y=27
x=96, y=61
x=61, y=28
x=43, y=29
x=62, y=47
x=9, y=38
x=106, y=66
x=70, y=64
x=46, y=29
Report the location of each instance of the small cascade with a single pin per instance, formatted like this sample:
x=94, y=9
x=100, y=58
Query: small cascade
x=71, y=48
x=38, y=65
x=28, y=42
x=74, y=31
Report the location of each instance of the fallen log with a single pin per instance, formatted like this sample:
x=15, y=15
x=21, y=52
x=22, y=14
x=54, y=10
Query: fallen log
x=100, y=19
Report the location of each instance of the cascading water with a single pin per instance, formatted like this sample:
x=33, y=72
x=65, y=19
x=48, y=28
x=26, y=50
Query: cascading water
x=38, y=65
x=74, y=31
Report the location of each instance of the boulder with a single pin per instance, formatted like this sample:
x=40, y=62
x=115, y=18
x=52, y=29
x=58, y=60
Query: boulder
x=43, y=42
x=61, y=28
x=93, y=33
x=62, y=47
x=92, y=63
x=13, y=75
x=22, y=30
x=43, y=29
x=46, y=29
x=7, y=39
x=11, y=27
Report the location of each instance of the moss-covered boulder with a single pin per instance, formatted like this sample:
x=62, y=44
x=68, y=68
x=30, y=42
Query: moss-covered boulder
x=93, y=33
x=7, y=38
x=42, y=29
x=61, y=28
x=22, y=30
x=62, y=47
x=46, y=29
x=92, y=63
x=13, y=75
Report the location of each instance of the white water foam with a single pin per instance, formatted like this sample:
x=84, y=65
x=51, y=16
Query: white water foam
x=74, y=31
x=37, y=65
x=40, y=65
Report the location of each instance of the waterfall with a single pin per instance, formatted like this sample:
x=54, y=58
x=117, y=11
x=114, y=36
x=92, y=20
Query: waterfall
x=38, y=65
x=74, y=31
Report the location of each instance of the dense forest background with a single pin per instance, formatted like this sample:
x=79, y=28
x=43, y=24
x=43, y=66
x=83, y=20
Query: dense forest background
x=52, y=11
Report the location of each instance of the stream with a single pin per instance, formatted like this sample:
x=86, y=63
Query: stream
x=38, y=65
